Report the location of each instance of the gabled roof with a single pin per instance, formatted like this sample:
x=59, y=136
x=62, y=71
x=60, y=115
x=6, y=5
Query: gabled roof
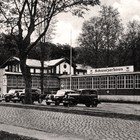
x=36, y=63
x=83, y=67
x=53, y=62
x=33, y=63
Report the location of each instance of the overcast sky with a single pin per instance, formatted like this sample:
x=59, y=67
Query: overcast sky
x=69, y=27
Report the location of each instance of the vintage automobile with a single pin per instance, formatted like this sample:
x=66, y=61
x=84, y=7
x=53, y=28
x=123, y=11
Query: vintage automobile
x=19, y=97
x=11, y=94
x=2, y=97
x=89, y=97
x=58, y=97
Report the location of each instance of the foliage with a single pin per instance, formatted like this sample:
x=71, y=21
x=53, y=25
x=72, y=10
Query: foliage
x=21, y=18
x=131, y=42
x=8, y=136
x=7, y=48
x=51, y=51
x=100, y=36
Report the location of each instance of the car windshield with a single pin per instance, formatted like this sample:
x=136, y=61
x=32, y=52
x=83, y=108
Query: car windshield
x=13, y=91
x=87, y=91
x=62, y=93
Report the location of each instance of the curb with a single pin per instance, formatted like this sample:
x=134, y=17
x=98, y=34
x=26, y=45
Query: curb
x=97, y=113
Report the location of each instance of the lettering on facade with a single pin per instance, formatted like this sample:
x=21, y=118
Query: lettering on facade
x=111, y=70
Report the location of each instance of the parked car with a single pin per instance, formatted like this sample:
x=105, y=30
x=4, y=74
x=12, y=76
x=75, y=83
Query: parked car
x=2, y=97
x=89, y=97
x=36, y=93
x=11, y=94
x=58, y=97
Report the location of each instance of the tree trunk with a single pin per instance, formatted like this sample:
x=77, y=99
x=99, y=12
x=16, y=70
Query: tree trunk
x=42, y=77
x=28, y=80
x=96, y=57
x=42, y=67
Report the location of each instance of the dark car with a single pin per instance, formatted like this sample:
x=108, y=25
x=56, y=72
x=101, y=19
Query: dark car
x=36, y=94
x=89, y=97
x=11, y=94
x=2, y=97
x=58, y=97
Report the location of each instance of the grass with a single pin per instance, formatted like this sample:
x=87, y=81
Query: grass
x=9, y=136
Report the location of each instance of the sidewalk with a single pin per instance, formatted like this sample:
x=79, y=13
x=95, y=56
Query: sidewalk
x=117, y=110
x=111, y=110
x=40, y=135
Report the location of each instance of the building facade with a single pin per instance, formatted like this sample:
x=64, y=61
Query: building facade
x=118, y=81
x=11, y=76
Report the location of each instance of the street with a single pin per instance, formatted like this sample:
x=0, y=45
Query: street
x=73, y=125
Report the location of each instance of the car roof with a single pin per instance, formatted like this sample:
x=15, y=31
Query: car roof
x=66, y=90
x=86, y=89
x=16, y=89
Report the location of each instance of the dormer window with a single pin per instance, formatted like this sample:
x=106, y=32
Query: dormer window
x=37, y=71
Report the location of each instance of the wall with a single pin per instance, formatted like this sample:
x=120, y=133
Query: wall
x=62, y=69
x=3, y=82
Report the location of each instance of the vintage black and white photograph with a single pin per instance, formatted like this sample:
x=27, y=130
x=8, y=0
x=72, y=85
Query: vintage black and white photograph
x=69, y=69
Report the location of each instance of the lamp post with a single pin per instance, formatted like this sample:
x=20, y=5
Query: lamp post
x=71, y=59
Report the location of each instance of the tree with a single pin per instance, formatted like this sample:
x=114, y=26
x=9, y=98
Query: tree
x=48, y=37
x=100, y=35
x=132, y=42
x=90, y=39
x=111, y=30
x=22, y=17
x=7, y=48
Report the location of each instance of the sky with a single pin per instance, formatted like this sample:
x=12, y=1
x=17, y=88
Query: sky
x=69, y=27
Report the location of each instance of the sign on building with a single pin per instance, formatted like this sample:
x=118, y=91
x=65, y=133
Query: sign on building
x=111, y=70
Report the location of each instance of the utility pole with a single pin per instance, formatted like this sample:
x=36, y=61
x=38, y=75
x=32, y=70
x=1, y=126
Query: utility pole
x=71, y=59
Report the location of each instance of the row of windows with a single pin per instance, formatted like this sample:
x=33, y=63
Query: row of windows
x=104, y=82
x=49, y=82
x=16, y=68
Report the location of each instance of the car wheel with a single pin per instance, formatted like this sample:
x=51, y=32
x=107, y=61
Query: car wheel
x=87, y=105
x=14, y=101
x=48, y=103
x=40, y=100
x=23, y=100
x=32, y=101
x=57, y=103
x=66, y=104
x=94, y=105
x=7, y=99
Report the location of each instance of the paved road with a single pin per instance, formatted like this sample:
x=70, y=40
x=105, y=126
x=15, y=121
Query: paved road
x=72, y=125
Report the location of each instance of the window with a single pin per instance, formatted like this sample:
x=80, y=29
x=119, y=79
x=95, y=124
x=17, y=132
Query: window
x=37, y=70
x=10, y=68
x=12, y=81
x=129, y=81
x=137, y=81
x=65, y=66
x=82, y=82
x=35, y=82
x=65, y=73
x=104, y=82
x=20, y=81
x=32, y=70
x=14, y=68
x=121, y=82
x=96, y=82
x=51, y=82
x=49, y=70
x=111, y=82
x=74, y=83
x=45, y=70
x=63, y=83
x=89, y=82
